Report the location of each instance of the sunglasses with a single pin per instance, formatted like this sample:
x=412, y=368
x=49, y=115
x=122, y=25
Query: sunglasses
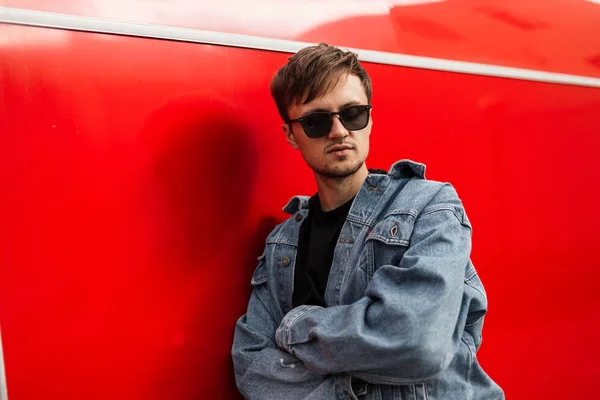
x=319, y=124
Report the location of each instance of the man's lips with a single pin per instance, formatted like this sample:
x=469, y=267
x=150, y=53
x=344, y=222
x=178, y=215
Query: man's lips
x=339, y=148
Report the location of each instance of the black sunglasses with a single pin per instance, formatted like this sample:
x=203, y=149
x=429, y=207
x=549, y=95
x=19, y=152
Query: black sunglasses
x=318, y=124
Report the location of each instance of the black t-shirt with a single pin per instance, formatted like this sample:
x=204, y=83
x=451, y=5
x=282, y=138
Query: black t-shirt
x=318, y=236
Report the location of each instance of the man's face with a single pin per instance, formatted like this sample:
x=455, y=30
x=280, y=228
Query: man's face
x=342, y=152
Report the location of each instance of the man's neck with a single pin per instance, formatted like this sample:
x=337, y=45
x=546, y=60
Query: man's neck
x=334, y=192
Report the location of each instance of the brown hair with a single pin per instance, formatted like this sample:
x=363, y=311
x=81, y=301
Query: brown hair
x=311, y=73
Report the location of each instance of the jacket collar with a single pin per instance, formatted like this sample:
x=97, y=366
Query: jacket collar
x=296, y=204
x=407, y=169
x=399, y=170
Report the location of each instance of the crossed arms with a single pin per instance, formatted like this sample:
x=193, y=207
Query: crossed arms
x=399, y=332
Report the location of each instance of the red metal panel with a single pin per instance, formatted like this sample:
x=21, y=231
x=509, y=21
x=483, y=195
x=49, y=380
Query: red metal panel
x=135, y=174
x=549, y=35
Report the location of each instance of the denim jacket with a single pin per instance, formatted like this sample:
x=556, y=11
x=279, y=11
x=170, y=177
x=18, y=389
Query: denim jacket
x=405, y=306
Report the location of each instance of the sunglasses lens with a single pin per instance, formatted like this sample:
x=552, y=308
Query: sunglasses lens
x=355, y=118
x=317, y=125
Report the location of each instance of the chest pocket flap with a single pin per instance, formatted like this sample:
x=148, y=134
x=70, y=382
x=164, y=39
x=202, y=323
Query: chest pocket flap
x=395, y=229
x=388, y=241
x=260, y=274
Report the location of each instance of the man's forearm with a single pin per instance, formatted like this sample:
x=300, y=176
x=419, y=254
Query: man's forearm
x=264, y=372
x=402, y=329
x=275, y=374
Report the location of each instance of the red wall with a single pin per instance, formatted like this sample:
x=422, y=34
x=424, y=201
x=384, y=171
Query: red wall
x=140, y=177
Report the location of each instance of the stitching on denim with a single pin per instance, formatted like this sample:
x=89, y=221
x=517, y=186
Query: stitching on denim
x=444, y=208
x=438, y=207
x=370, y=261
x=259, y=281
x=458, y=214
x=368, y=267
x=468, y=282
x=472, y=353
x=358, y=220
x=270, y=314
x=471, y=273
x=400, y=211
x=300, y=313
x=381, y=238
x=282, y=241
x=394, y=381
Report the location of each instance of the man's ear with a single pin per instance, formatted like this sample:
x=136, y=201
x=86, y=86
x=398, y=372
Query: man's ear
x=289, y=135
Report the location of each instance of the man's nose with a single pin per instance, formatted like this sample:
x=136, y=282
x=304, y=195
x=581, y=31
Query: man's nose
x=337, y=129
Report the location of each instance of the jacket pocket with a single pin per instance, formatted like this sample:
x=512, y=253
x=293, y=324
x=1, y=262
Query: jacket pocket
x=388, y=240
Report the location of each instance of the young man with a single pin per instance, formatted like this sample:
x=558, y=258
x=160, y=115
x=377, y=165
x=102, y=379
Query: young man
x=367, y=290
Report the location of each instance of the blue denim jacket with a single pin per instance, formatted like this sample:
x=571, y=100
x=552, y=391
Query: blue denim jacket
x=405, y=306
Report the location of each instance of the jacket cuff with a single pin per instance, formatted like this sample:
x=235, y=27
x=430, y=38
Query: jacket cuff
x=284, y=337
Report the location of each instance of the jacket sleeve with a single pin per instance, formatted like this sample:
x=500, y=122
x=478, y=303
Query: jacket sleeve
x=402, y=330
x=261, y=370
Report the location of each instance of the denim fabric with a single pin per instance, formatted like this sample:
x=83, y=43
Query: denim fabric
x=405, y=306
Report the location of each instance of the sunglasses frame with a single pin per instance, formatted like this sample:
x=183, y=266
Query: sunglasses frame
x=366, y=107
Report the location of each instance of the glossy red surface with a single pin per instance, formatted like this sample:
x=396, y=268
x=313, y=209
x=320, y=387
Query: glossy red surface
x=139, y=178
x=549, y=35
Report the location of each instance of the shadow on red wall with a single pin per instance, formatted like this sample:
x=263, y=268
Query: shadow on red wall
x=194, y=204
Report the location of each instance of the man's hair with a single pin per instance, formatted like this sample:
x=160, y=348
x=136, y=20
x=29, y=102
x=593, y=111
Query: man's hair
x=311, y=73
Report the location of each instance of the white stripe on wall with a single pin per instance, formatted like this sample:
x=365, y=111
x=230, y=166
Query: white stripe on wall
x=77, y=23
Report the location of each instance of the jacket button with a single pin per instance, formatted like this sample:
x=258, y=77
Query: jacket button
x=285, y=261
x=298, y=217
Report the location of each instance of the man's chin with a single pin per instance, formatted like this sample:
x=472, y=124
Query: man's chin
x=338, y=171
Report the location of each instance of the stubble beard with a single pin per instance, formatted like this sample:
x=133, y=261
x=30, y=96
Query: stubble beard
x=339, y=172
